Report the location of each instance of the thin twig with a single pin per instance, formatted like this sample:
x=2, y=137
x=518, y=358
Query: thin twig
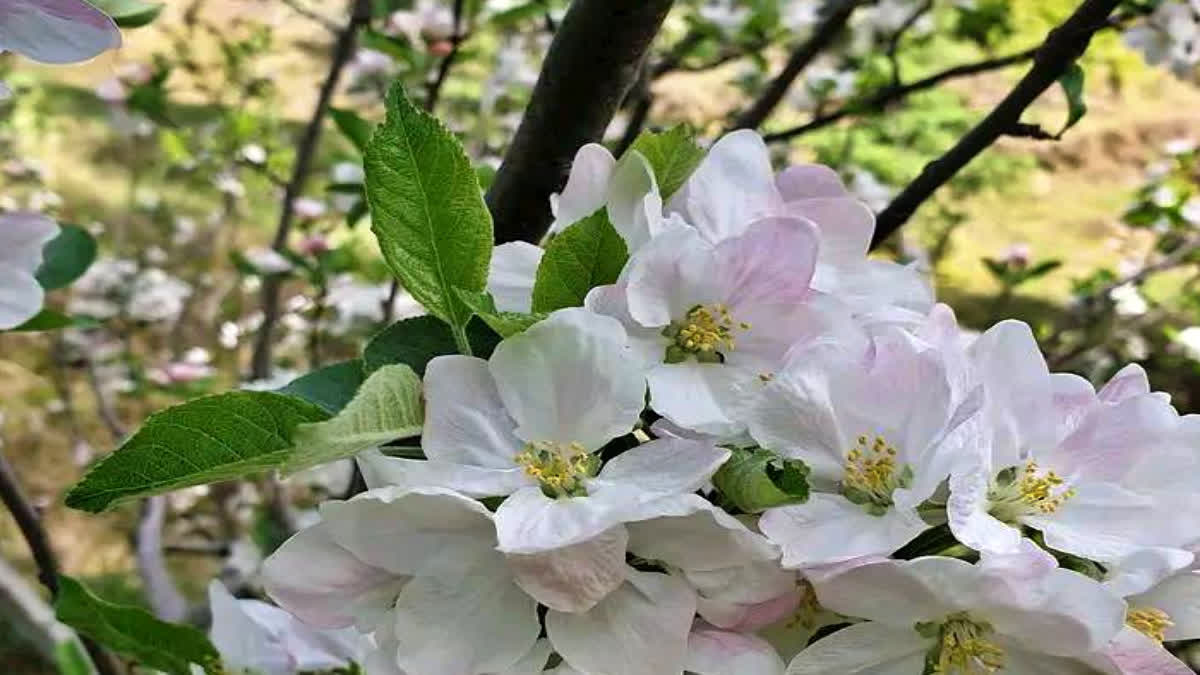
x=888, y=95
x=343, y=50
x=328, y=23
x=894, y=41
x=823, y=35
x=590, y=66
x=1062, y=47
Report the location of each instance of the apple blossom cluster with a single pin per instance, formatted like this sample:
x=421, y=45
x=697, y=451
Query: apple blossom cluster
x=758, y=451
x=1169, y=36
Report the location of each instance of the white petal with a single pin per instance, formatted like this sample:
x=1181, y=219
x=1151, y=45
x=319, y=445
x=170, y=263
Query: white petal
x=476, y=621
x=705, y=539
x=1020, y=660
x=632, y=182
x=1103, y=521
x=1133, y=653
x=21, y=297
x=829, y=529
x=704, y=397
x=586, y=187
x=639, y=629
x=574, y=578
x=1129, y=381
x=809, y=181
x=1179, y=597
x=732, y=186
x=323, y=584
x=465, y=420
x=23, y=235
x=511, y=275
x=242, y=642
x=746, y=598
x=56, y=31
x=1114, y=438
x=666, y=465
x=1017, y=390
x=967, y=510
x=716, y=652
x=770, y=263
x=570, y=378
x=845, y=224
x=864, y=648
x=669, y=276
x=898, y=593
x=379, y=470
x=533, y=663
x=1145, y=569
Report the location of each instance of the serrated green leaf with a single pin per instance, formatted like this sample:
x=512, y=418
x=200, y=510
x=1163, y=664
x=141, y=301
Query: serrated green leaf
x=130, y=13
x=354, y=128
x=331, y=387
x=505, y=324
x=134, y=632
x=388, y=406
x=1072, y=85
x=66, y=257
x=206, y=440
x=673, y=154
x=427, y=210
x=587, y=254
x=757, y=479
x=415, y=341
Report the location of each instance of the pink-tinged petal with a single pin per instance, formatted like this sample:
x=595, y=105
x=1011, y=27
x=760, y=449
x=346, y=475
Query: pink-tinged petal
x=780, y=327
x=879, y=290
x=56, y=31
x=845, y=225
x=1179, y=597
x=538, y=375
x=718, y=652
x=1103, y=521
x=704, y=397
x=770, y=263
x=967, y=511
x=809, y=181
x=473, y=620
x=586, y=187
x=669, y=276
x=1145, y=569
x=639, y=629
x=731, y=187
x=511, y=275
x=1017, y=392
x=1133, y=653
x=707, y=538
x=1112, y=439
x=465, y=419
x=829, y=529
x=1129, y=381
x=574, y=578
x=864, y=649
x=379, y=471
x=666, y=466
x=1017, y=659
x=745, y=598
x=897, y=593
x=322, y=583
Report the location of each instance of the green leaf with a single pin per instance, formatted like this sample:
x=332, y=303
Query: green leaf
x=427, y=211
x=587, y=254
x=353, y=127
x=1072, y=85
x=757, y=479
x=673, y=154
x=331, y=387
x=134, y=632
x=66, y=257
x=505, y=324
x=413, y=342
x=49, y=319
x=71, y=659
x=206, y=440
x=130, y=13
x=387, y=407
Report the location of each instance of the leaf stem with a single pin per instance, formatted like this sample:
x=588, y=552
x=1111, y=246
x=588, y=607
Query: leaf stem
x=461, y=341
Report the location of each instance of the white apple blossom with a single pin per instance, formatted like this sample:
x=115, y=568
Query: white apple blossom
x=22, y=237
x=56, y=31
x=963, y=619
x=1170, y=36
x=1097, y=473
x=879, y=425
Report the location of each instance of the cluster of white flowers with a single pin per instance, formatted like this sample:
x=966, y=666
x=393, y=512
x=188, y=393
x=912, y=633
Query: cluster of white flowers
x=970, y=512
x=1170, y=36
x=114, y=287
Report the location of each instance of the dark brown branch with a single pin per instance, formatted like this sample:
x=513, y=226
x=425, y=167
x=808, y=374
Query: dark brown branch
x=30, y=524
x=343, y=50
x=1062, y=48
x=591, y=64
x=639, y=113
x=823, y=34
x=881, y=99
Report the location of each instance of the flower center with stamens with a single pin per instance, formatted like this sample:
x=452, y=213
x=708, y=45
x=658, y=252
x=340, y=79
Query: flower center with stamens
x=706, y=333
x=1027, y=491
x=871, y=474
x=560, y=468
x=1149, y=621
x=962, y=647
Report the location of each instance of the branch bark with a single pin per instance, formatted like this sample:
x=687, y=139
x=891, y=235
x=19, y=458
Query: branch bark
x=343, y=50
x=823, y=34
x=592, y=62
x=1062, y=47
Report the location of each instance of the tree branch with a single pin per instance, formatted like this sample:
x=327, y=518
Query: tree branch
x=884, y=97
x=1062, y=47
x=822, y=36
x=893, y=47
x=343, y=50
x=592, y=62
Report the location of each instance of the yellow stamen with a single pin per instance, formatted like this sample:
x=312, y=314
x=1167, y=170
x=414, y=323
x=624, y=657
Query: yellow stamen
x=871, y=474
x=963, y=648
x=560, y=468
x=705, y=332
x=1028, y=491
x=1149, y=621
